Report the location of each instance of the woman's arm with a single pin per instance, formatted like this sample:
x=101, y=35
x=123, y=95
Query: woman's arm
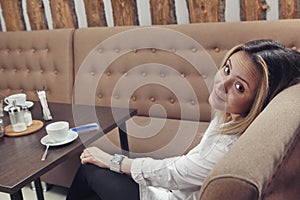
x=102, y=159
x=126, y=165
x=171, y=173
x=185, y=171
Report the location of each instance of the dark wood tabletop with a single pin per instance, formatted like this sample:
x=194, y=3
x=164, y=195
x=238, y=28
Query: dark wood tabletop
x=20, y=157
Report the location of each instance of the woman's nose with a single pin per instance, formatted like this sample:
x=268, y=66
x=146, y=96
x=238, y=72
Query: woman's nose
x=221, y=87
x=224, y=84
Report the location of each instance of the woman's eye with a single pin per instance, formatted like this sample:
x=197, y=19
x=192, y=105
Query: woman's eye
x=239, y=87
x=226, y=70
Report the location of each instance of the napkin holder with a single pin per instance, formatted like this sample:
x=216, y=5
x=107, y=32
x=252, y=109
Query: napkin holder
x=45, y=109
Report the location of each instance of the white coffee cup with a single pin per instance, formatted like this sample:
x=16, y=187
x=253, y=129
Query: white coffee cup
x=20, y=99
x=58, y=131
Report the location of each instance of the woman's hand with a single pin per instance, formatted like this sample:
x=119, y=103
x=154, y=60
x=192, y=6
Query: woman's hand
x=95, y=156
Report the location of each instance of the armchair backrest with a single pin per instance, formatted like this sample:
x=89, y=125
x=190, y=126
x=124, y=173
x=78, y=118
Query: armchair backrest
x=265, y=162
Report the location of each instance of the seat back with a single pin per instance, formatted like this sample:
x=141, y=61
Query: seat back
x=163, y=71
x=33, y=59
x=265, y=162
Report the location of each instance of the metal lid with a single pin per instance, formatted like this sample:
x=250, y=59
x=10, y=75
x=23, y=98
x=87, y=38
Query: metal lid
x=14, y=108
x=25, y=108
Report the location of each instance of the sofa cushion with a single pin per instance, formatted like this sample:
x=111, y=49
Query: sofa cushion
x=155, y=137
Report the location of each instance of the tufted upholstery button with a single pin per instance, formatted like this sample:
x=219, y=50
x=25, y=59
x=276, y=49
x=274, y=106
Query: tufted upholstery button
x=28, y=70
x=117, y=50
x=153, y=50
x=163, y=75
x=125, y=74
x=15, y=70
x=173, y=50
x=55, y=71
x=117, y=96
x=133, y=98
x=100, y=50
x=194, y=50
x=135, y=50
x=152, y=99
x=144, y=74
x=33, y=50
x=2, y=69
x=100, y=96
x=172, y=100
x=108, y=73
x=193, y=102
x=217, y=49
x=203, y=76
x=92, y=73
x=46, y=50
x=182, y=75
x=41, y=71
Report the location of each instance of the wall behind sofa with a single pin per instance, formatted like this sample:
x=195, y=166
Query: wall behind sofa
x=52, y=14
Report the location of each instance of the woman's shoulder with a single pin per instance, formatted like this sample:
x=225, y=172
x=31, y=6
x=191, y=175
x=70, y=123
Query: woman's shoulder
x=214, y=130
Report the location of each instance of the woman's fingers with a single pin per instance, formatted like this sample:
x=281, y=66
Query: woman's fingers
x=87, y=157
x=95, y=156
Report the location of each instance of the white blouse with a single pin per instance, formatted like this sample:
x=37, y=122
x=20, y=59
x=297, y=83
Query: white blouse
x=181, y=177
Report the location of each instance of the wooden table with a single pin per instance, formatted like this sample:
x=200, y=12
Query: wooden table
x=20, y=160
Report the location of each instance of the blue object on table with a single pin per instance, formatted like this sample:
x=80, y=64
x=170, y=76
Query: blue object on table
x=85, y=128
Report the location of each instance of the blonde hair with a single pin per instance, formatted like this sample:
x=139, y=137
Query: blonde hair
x=279, y=68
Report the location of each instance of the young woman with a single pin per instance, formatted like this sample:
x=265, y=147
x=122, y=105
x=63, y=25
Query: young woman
x=250, y=76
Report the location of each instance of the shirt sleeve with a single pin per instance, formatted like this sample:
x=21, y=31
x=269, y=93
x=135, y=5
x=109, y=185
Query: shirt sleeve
x=184, y=171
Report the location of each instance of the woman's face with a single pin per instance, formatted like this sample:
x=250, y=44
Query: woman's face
x=235, y=85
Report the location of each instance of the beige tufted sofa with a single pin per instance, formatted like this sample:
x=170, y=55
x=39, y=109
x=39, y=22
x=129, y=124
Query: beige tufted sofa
x=31, y=60
x=143, y=67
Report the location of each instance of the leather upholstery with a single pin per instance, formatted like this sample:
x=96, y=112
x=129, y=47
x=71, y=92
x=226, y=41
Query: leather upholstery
x=265, y=157
x=31, y=60
x=104, y=56
x=151, y=71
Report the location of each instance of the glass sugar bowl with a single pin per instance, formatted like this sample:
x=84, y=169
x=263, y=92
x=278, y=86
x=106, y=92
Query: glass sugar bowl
x=16, y=116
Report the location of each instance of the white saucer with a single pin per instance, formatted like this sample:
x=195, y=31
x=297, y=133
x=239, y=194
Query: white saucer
x=29, y=104
x=70, y=138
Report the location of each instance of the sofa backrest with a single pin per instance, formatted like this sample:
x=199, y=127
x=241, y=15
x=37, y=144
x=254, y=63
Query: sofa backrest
x=143, y=67
x=33, y=59
x=264, y=163
x=168, y=66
